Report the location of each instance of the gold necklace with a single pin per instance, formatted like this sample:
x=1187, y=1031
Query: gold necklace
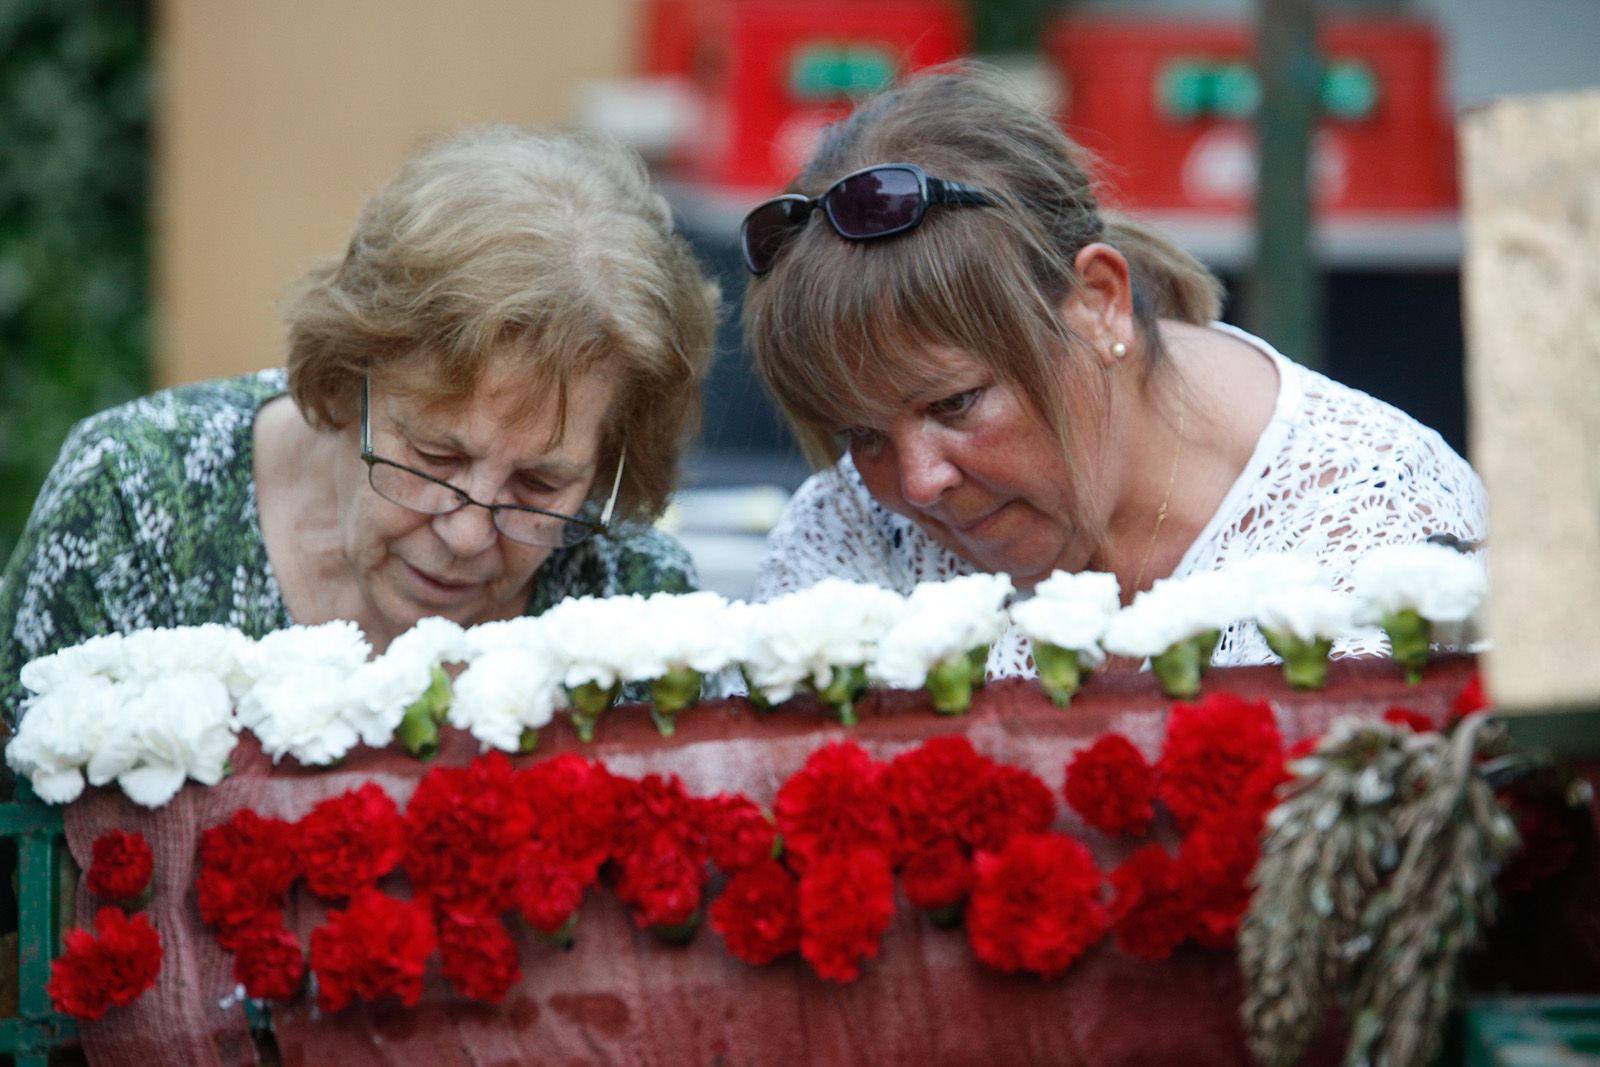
x=1161, y=513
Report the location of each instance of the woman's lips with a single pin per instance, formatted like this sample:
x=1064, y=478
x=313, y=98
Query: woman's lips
x=436, y=589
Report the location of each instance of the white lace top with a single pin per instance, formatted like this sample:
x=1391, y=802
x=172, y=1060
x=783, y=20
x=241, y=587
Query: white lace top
x=1335, y=473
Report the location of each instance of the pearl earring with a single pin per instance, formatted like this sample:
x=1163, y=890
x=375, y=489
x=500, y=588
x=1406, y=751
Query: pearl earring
x=1118, y=349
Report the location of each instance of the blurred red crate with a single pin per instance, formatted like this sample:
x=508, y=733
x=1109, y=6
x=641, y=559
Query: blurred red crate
x=770, y=74
x=1166, y=106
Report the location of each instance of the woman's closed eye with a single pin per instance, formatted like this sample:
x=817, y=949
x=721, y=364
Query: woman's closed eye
x=954, y=405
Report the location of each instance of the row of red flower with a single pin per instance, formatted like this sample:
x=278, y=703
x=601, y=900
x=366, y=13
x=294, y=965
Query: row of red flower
x=969, y=837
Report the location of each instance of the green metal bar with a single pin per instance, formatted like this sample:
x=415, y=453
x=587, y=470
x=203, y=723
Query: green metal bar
x=1285, y=285
x=42, y=889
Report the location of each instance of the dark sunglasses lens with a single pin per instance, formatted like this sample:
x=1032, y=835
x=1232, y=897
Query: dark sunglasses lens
x=874, y=203
x=768, y=228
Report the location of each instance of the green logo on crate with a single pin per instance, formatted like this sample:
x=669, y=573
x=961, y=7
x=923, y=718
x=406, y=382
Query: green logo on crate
x=832, y=71
x=1190, y=88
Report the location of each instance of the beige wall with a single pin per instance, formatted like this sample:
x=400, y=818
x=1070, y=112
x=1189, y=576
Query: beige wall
x=277, y=118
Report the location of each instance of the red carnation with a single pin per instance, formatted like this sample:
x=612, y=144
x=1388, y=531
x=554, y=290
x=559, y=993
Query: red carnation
x=108, y=971
x=834, y=804
x=374, y=947
x=576, y=806
x=1151, y=913
x=121, y=866
x=1112, y=787
x=1008, y=801
x=846, y=904
x=1302, y=748
x=479, y=956
x=1215, y=862
x=758, y=913
x=662, y=882
x=938, y=877
x=740, y=833
x=247, y=865
x=269, y=962
x=548, y=887
x=1473, y=697
x=653, y=808
x=463, y=828
x=1414, y=721
x=929, y=789
x=1035, y=905
x=349, y=841
x=1212, y=749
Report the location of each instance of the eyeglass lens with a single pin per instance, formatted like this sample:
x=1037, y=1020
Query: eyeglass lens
x=769, y=227
x=411, y=490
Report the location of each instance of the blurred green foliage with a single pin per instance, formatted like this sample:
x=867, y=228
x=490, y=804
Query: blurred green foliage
x=75, y=94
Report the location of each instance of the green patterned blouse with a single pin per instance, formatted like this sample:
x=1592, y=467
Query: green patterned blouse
x=149, y=519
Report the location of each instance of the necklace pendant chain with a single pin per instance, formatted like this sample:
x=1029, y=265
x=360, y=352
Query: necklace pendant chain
x=1161, y=512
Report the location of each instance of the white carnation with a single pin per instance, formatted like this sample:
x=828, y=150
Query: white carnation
x=806, y=634
x=1071, y=611
x=172, y=727
x=690, y=630
x=1174, y=610
x=503, y=693
x=208, y=649
x=98, y=657
x=1307, y=612
x=1437, y=582
x=940, y=620
x=304, y=713
x=382, y=689
x=604, y=640
x=59, y=732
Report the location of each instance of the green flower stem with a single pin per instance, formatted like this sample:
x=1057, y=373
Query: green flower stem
x=753, y=692
x=1179, y=668
x=562, y=938
x=419, y=730
x=589, y=701
x=1060, y=671
x=1305, y=663
x=679, y=688
x=1409, y=637
x=682, y=933
x=950, y=684
x=438, y=694
x=529, y=739
x=978, y=665
x=844, y=688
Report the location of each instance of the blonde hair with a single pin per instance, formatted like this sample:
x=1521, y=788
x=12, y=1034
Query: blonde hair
x=550, y=249
x=835, y=322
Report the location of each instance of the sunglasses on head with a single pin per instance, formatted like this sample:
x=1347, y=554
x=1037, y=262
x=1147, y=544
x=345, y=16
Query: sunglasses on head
x=876, y=201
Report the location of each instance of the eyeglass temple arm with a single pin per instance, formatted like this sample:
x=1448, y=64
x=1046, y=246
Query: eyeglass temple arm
x=616, y=485
x=943, y=192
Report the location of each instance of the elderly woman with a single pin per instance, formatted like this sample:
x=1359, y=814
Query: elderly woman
x=996, y=377
x=499, y=371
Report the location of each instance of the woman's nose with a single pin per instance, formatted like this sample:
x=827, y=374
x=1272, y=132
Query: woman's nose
x=926, y=473
x=466, y=531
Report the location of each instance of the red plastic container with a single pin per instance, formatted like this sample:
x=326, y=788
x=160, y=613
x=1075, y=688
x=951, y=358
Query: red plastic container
x=772, y=73
x=1397, y=155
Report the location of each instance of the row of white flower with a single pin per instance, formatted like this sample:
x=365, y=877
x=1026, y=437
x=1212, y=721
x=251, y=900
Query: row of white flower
x=150, y=709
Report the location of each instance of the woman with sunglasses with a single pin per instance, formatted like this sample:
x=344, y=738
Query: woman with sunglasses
x=500, y=370
x=995, y=376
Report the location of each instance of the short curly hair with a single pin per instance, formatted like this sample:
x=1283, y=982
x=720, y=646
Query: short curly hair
x=549, y=248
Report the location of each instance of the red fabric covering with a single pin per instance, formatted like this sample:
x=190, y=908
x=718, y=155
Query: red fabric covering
x=621, y=996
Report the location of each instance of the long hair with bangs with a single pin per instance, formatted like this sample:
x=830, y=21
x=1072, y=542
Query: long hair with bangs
x=837, y=325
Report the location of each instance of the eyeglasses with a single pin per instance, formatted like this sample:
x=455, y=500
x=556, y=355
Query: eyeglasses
x=877, y=201
x=421, y=492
